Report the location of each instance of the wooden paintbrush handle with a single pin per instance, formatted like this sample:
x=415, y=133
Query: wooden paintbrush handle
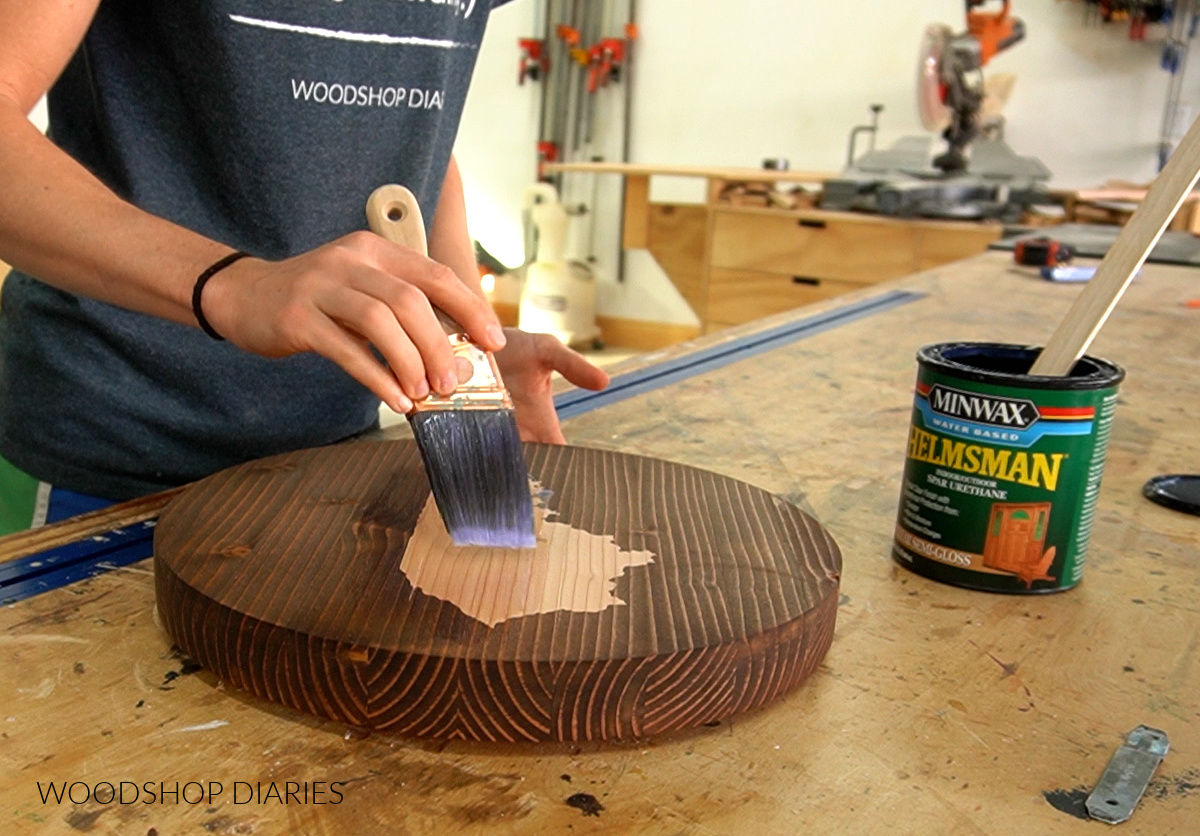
x=393, y=212
x=1139, y=235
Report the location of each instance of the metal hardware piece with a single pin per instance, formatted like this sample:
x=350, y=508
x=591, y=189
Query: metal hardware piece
x=1125, y=778
x=483, y=390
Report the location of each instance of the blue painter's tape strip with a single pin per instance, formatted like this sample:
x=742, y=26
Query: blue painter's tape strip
x=93, y=556
x=579, y=401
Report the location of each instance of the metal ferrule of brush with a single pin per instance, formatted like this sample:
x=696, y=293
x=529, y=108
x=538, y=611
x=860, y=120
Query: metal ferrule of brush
x=472, y=451
x=484, y=390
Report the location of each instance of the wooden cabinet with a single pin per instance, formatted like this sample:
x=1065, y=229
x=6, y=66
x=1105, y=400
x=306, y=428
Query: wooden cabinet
x=734, y=264
x=819, y=245
x=737, y=296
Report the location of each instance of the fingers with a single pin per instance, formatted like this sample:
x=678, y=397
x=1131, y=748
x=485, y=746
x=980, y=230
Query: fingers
x=349, y=297
x=528, y=364
x=537, y=421
x=355, y=357
x=448, y=293
x=573, y=366
x=398, y=320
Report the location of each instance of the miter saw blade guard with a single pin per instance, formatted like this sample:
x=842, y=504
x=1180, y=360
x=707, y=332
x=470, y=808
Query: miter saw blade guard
x=950, y=78
x=902, y=181
x=931, y=91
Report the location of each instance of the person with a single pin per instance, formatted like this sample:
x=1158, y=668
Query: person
x=181, y=134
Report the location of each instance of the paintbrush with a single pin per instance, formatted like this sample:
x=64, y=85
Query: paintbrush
x=469, y=439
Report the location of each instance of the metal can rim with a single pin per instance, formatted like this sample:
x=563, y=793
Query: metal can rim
x=997, y=363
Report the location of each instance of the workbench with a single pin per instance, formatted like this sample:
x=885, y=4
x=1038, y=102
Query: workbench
x=735, y=263
x=937, y=711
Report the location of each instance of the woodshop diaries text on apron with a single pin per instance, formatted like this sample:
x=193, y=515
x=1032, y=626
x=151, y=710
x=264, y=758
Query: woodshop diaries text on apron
x=1003, y=468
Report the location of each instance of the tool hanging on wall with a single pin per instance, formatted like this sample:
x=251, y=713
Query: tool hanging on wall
x=535, y=65
x=578, y=57
x=1177, y=21
x=1137, y=13
x=1182, y=19
x=580, y=52
x=1119, y=11
x=605, y=61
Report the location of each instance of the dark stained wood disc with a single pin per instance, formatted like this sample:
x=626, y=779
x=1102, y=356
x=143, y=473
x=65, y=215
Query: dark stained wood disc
x=663, y=596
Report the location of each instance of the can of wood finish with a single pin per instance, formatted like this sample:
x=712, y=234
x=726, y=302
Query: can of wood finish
x=1003, y=468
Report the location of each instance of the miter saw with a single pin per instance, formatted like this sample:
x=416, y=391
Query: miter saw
x=952, y=100
x=950, y=82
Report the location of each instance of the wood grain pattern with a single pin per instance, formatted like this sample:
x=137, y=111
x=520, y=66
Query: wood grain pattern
x=284, y=577
x=637, y=197
x=938, y=710
x=746, y=295
x=676, y=238
x=939, y=244
x=644, y=334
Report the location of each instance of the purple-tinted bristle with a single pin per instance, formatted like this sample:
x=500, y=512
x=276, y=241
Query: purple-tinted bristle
x=511, y=539
x=476, y=469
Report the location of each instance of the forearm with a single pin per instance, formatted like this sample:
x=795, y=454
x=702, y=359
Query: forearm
x=449, y=241
x=62, y=225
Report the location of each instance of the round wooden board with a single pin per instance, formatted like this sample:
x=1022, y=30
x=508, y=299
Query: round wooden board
x=660, y=596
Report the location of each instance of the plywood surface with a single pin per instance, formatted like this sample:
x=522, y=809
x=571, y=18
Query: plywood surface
x=740, y=296
x=812, y=244
x=659, y=597
x=939, y=244
x=937, y=710
x=675, y=237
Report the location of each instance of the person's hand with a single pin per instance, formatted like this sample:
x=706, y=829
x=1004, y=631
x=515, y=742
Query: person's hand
x=341, y=299
x=526, y=366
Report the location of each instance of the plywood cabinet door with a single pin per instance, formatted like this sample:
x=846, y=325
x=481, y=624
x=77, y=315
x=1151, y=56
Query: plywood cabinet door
x=814, y=244
x=737, y=296
x=941, y=243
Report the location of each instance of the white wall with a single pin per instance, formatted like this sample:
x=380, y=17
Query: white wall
x=496, y=146
x=791, y=77
x=730, y=82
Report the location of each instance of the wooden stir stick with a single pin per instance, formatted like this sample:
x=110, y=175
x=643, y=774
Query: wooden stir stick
x=1092, y=307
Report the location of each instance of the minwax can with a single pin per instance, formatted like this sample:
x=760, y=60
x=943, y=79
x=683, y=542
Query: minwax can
x=1003, y=467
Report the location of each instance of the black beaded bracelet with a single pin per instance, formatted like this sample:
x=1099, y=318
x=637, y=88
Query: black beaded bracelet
x=198, y=289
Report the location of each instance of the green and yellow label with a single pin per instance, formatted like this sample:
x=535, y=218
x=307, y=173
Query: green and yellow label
x=1000, y=482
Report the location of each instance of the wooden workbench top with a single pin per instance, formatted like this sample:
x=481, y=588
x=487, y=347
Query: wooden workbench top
x=937, y=711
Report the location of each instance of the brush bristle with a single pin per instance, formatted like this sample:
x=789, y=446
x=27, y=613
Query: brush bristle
x=477, y=472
